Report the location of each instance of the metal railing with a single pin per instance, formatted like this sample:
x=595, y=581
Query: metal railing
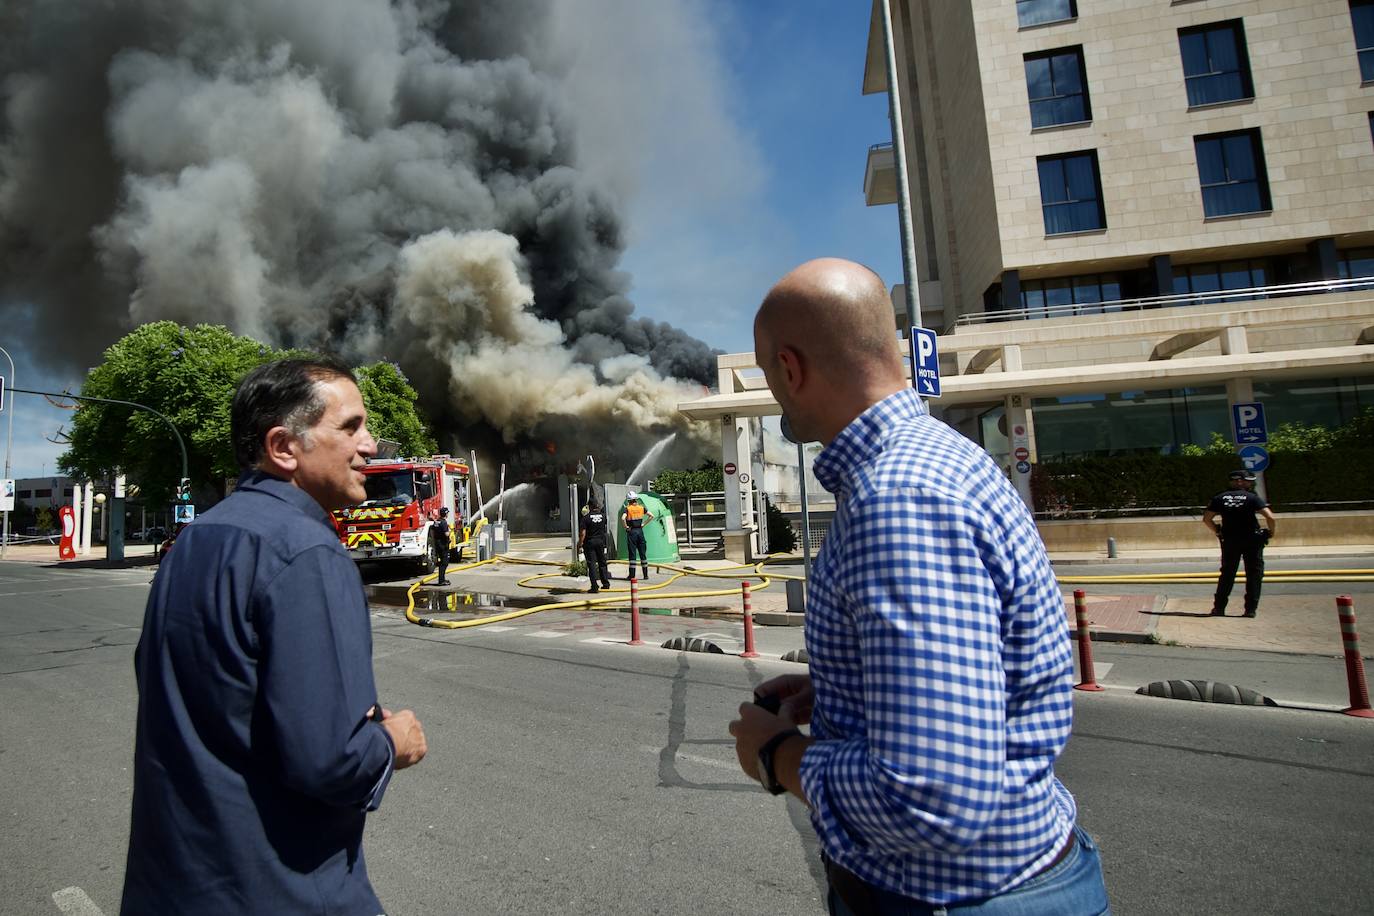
x=878, y=147
x=1073, y=310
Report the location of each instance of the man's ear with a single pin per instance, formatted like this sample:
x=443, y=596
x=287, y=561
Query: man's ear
x=280, y=450
x=793, y=368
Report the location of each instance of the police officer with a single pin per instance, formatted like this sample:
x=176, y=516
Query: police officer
x=634, y=518
x=592, y=540
x=439, y=535
x=1241, y=538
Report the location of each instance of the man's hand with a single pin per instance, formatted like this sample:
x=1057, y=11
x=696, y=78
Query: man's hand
x=407, y=735
x=751, y=730
x=796, y=696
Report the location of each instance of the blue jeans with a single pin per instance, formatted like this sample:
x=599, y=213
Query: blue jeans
x=1072, y=887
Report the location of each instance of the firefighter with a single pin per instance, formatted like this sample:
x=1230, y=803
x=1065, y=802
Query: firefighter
x=634, y=518
x=592, y=540
x=1241, y=538
x=439, y=534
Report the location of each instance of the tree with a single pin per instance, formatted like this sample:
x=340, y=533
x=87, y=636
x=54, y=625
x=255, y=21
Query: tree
x=391, y=413
x=188, y=375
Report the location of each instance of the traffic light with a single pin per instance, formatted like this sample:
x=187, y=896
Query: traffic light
x=184, y=490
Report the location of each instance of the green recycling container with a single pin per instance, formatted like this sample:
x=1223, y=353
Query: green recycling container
x=660, y=535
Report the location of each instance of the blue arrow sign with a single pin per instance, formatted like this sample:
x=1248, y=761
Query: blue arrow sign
x=925, y=363
x=1248, y=420
x=1254, y=457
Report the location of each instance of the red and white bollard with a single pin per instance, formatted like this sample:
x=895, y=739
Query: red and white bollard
x=748, y=623
x=1354, y=664
x=1085, y=643
x=634, y=613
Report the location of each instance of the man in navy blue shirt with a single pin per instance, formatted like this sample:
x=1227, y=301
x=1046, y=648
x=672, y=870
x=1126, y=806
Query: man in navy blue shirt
x=261, y=743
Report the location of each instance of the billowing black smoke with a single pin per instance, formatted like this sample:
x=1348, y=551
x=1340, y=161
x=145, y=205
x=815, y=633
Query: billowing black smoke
x=393, y=180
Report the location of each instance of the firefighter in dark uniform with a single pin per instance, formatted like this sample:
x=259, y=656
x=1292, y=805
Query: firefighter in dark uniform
x=634, y=518
x=439, y=536
x=1241, y=538
x=592, y=540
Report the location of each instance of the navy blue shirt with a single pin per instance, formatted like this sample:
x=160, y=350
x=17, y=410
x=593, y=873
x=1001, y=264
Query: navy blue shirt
x=255, y=760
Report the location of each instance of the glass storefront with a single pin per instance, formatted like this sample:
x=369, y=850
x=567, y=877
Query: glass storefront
x=1134, y=422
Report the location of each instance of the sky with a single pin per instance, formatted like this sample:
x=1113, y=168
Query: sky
x=752, y=163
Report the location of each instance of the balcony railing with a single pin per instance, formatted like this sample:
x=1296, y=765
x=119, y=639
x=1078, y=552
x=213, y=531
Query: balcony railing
x=1073, y=310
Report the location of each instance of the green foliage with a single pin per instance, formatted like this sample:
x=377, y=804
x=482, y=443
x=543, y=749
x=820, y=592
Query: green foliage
x=782, y=537
x=708, y=478
x=1134, y=482
x=187, y=374
x=1218, y=445
x=576, y=568
x=391, y=412
x=45, y=519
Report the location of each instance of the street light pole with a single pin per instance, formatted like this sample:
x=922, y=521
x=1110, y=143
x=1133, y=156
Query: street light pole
x=9, y=441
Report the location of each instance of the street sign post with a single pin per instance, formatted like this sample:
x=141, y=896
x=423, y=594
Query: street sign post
x=1254, y=457
x=925, y=363
x=1248, y=421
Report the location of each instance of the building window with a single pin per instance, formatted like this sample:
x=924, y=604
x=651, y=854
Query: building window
x=1058, y=87
x=1357, y=262
x=1067, y=296
x=1071, y=193
x=67, y=491
x=1215, y=277
x=1231, y=167
x=1216, y=64
x=26, y=494
x=40, y=494
x=1038, y=12
x=1362, y=15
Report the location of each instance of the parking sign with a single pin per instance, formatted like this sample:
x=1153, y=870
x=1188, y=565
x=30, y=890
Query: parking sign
x=1248, y=420
x=925, y=363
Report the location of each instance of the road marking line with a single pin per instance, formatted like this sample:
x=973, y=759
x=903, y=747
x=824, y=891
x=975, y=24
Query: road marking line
x=63, y=591
x=546, y=634
x=695, y=758
x=74, y=902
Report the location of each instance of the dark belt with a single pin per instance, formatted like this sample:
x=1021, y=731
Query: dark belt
x=863, y=898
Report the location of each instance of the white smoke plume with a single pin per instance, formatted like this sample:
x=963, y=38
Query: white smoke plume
x=419, y=180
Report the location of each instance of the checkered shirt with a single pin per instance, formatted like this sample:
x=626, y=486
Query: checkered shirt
x=941, y=663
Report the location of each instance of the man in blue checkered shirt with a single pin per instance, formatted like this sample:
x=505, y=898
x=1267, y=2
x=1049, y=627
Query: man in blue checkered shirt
x=940, y=683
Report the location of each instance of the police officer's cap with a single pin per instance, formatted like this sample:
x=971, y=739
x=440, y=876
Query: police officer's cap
x=1242, y=475
x=443, y=511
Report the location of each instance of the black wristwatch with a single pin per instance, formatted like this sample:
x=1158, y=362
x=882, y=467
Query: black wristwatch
x=770, y=747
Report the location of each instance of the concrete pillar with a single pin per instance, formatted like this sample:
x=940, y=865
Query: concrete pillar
x=739, y=510
x=77, y=495
x=1240, y=391
x=87, y=508
x=1019, y=432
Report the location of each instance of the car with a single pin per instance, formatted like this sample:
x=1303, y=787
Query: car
x=154, y=535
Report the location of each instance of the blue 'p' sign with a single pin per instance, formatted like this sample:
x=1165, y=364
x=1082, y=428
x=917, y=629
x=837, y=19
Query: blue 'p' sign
x=1248, y=420
x=925, y=363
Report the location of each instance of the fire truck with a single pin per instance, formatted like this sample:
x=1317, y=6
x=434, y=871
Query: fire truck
x=404, y=496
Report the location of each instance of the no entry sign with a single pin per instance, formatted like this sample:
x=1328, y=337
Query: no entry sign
x=1022, y=454
x=729, y=467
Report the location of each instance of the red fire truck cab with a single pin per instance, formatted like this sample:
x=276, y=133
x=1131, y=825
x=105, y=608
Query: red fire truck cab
x=404, y=496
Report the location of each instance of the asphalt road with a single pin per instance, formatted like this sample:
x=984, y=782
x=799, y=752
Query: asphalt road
x=576, y=776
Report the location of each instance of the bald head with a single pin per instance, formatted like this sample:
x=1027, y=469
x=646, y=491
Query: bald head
x=825, y=339
x=838, y=313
